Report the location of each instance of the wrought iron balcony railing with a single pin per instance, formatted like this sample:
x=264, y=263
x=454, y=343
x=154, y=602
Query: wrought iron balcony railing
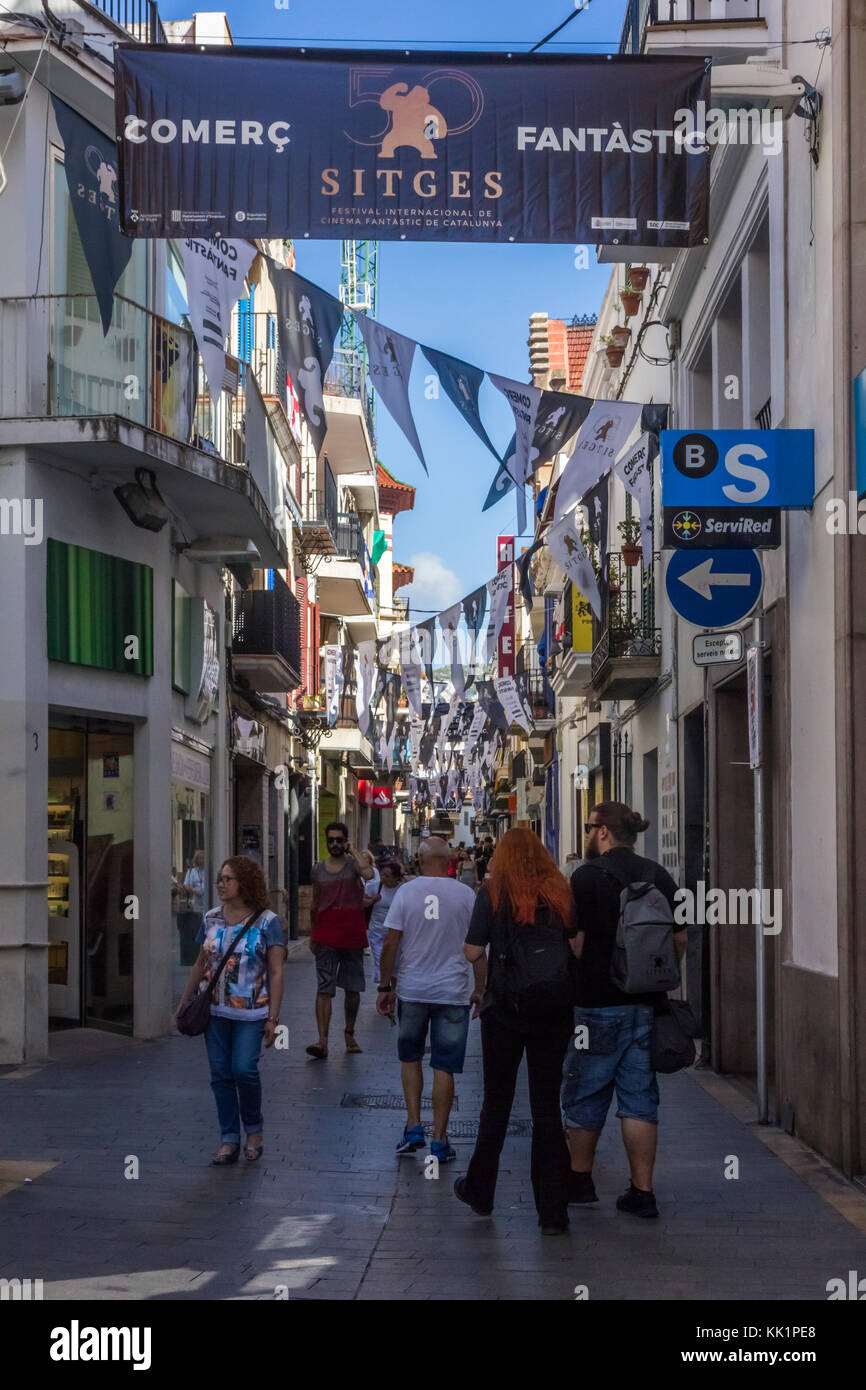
x=267, y=623
x=140, y=18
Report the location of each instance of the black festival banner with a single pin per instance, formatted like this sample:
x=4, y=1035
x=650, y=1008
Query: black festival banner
x=487, y=147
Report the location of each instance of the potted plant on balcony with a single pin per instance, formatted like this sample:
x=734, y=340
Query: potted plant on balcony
x=612, y=352
x=638, y=276
x=630, y=550
x=630, y=299
x=620, y=335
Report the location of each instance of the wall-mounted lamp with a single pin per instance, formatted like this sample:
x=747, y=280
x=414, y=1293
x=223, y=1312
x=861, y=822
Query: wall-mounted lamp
x=142, y=503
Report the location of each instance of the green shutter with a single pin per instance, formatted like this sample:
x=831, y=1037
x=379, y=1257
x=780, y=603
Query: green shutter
x=95, y=602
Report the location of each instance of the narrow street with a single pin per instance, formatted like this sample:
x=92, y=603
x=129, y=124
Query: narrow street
x=330, y=1212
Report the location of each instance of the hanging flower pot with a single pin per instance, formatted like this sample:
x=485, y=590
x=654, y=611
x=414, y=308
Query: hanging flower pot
x=631, y=554
x=638, y=276
x=614, y=355
x=630, y=301
x=621, y=335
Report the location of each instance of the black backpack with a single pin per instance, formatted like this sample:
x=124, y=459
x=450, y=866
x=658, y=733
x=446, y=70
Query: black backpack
x=535, y=969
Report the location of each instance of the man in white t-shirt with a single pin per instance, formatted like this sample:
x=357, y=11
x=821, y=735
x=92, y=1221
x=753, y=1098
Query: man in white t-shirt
x=425, y=930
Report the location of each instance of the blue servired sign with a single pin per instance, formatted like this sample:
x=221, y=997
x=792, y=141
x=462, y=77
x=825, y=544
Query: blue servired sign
x=738, y=468
x=714, y=588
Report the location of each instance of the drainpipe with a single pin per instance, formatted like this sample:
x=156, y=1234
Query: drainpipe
x=756, y=656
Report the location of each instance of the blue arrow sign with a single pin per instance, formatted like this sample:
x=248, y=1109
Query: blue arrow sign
x=738, y=468
x=714, y=588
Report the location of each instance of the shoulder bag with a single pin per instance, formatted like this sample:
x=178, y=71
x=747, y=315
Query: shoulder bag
x=194, y=1017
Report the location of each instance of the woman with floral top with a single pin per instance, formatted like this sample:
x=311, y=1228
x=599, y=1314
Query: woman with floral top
x=245, y=1007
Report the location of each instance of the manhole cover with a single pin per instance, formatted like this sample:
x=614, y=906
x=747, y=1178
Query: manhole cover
x=468, y=1129
x=353, y=1100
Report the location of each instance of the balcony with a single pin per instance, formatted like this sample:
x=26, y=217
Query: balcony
x=319, y=513
x=351, y=437
x=626, y=660
x=140, y=388
x=570, y=669
x=266, y=638
x=345, y=740
x=723, y=28
x=538, y=692
x=346, y=585
x=140, y=18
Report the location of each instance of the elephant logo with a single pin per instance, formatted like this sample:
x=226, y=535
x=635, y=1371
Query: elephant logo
x=414, y=121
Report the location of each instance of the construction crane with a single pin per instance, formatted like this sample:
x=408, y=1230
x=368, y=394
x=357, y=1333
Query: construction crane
x=358, y=290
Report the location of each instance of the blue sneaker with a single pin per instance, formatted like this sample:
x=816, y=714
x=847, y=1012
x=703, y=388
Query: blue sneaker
x=413, y=1138
x=442, y=1150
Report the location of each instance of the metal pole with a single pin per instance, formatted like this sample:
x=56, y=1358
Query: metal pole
x=760, y=954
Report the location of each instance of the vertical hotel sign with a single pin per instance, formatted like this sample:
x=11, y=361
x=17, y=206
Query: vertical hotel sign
x=505, y=645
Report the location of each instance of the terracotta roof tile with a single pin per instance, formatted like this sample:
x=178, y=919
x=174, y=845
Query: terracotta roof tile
x=401, y=575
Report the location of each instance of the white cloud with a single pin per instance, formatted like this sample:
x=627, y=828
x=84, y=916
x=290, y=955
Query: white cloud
x=435, y=586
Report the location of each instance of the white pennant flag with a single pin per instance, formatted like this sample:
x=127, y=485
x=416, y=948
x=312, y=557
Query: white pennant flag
x=564, y=545
x=500, y=588
x=600, y=440
x=448, y=621
x=366, y=674
x=524, y=400
x=214, y=269
x=509, y=698
x=416, y=730
x=475, y=728
x=390, y=363
x=410, y=669
x=333, y=682
x=633, y=471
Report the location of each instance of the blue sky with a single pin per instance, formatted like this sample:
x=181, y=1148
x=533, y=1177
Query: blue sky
x=470, y=300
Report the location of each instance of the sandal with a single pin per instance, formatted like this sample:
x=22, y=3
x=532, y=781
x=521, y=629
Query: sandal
x=318, y=1051
x=220, y=1160
x=253, y=1152
x=351, y=1046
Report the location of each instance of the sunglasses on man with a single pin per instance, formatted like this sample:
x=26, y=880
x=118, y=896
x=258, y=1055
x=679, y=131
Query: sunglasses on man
x=593, y=825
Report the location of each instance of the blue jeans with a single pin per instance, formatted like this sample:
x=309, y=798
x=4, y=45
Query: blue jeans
x=233, y=1050
x=612, y=1053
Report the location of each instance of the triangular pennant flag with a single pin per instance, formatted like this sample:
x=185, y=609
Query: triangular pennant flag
x=601, y=440
x=461, y=383
x=500, y=589
x=307, y=322
x=333, y=682
x=509, y=698
x=633, y=471
x=524, y=399
x=427, y=641
x=564, y=545
x=91, y=174
x=390, y=357
x=365, y=678
x=525, y=577
x=448, y=621
x=215, y=270
x=559, y=414
x=596, y=503
x=410, y=669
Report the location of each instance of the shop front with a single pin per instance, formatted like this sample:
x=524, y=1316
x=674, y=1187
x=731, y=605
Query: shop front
x=91, y=906
x=192, y=870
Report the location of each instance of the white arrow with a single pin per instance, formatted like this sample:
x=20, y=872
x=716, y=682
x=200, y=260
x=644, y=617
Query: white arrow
x=701, y=579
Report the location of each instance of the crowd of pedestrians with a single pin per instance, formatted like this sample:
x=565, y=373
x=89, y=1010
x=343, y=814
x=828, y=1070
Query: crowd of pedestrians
x=569, y=970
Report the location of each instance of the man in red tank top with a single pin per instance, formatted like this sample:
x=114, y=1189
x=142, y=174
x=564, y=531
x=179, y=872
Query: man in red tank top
x=339, y=934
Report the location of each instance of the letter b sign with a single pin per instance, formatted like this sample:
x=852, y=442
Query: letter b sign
x=695, y=455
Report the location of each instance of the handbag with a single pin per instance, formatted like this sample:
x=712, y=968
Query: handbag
x=194, y=1017
x=674, y=1030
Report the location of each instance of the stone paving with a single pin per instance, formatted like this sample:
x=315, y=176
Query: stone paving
x=331, y=1213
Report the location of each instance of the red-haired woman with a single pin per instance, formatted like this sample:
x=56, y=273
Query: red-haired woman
x=523, y=912
x=245, y=1008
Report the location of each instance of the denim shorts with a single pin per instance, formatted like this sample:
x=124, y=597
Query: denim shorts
x=449, y=1029
x=616, y=1057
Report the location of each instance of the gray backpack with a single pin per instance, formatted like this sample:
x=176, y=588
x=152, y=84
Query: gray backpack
x=644, y=959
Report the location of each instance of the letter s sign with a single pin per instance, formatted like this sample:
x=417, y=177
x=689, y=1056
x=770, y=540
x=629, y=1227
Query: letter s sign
x=757, y=477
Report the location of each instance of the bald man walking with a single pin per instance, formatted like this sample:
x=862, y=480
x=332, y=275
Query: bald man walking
x=425, y=930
